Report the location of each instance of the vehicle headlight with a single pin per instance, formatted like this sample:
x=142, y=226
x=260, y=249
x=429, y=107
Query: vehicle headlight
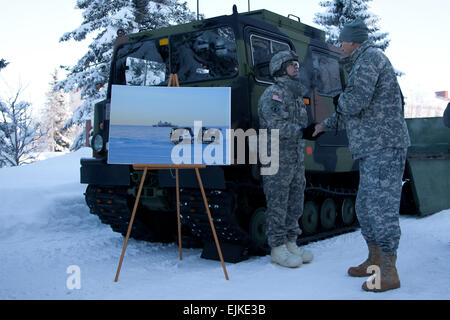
x=98, y=143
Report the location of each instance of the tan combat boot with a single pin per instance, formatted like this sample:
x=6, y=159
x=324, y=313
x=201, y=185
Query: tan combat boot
x=283, y=257
x=388, y=275
x=306, y=255
x=372, y=259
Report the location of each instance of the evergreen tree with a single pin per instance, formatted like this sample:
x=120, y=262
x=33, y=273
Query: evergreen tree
x=56, y=115
x=339, y=12
x=103, y=18
x=18, y=133
x=3, y=63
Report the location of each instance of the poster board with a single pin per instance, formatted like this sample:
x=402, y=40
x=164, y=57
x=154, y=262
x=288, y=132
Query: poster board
x=169, y=125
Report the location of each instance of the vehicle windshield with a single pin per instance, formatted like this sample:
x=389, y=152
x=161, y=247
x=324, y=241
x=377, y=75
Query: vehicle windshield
x=194, y=56
x=204, y=55
x=143, y=63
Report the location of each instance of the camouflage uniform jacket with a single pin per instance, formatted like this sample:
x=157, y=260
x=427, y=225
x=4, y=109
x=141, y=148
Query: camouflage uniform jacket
x=370, y=108
x=281, y=107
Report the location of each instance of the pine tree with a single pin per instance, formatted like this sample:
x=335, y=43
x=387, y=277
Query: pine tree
x=3, y=63
x=18, y=133
x=56, y=115
x=339, y=12
x=103, y=18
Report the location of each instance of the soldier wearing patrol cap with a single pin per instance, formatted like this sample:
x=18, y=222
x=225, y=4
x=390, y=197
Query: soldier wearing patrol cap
x=281, y=107
x=370, y=109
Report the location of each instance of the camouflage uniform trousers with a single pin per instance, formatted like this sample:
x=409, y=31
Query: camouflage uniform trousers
x=378, y=200
x=284, y=193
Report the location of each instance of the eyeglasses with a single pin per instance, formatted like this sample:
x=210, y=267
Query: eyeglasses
x=294, y=64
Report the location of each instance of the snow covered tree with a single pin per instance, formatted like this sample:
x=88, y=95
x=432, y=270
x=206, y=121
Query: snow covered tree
x=56, y=114
x=102, y=19
x=3, y=63
x=339, y=12
x=18, y=133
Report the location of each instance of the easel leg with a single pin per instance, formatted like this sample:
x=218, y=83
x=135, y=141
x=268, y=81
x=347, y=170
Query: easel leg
x=211, y=222
x=178, y=212
x=131, y=223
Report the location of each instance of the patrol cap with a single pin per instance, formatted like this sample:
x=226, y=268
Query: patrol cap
x=354, y=31
x=277, y=64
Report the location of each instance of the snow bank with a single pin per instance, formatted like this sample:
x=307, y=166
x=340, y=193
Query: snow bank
x=46, y=227
x=28, y=193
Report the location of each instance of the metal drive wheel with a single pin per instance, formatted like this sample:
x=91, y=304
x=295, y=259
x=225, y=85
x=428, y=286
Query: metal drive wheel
x=328, y=214
x=257, y=227
x=348, y=212
x=309, y=221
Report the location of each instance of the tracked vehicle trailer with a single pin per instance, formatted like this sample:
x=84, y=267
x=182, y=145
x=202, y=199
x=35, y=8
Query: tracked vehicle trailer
x=235, y=51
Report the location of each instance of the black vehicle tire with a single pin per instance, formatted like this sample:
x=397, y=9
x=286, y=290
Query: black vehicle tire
x=257, y=227
x=309, y=221
x=348, y=213
x=328, y=214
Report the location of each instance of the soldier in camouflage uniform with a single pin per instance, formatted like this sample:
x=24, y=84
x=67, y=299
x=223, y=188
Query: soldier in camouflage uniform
x=281, y=107
x=370, y=109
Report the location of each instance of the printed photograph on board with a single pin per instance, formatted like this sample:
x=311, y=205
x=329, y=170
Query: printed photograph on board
x=169, y=125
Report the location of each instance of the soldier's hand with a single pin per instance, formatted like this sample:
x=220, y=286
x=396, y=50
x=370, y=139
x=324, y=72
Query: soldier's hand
x=318, y=130
x=308, y=132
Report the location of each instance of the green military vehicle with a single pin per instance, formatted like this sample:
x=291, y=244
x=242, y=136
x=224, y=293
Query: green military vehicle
x=235, y=51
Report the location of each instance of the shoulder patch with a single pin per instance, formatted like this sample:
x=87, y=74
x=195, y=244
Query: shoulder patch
x=277, y=98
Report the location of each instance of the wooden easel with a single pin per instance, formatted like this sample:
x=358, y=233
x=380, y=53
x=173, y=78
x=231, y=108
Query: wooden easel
x=173, y=81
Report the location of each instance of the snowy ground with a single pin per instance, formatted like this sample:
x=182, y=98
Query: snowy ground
x=45, y=227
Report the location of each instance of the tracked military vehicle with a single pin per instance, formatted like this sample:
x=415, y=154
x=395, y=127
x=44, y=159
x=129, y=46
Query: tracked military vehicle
x=235, y=51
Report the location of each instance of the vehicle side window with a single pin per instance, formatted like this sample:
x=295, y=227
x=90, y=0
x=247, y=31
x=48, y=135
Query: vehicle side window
x=263, y=49
x=327, y=78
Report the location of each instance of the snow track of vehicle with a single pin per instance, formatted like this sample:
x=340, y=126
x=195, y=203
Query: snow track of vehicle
x=111, y=205
x=319, y=195
x=222, y=205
